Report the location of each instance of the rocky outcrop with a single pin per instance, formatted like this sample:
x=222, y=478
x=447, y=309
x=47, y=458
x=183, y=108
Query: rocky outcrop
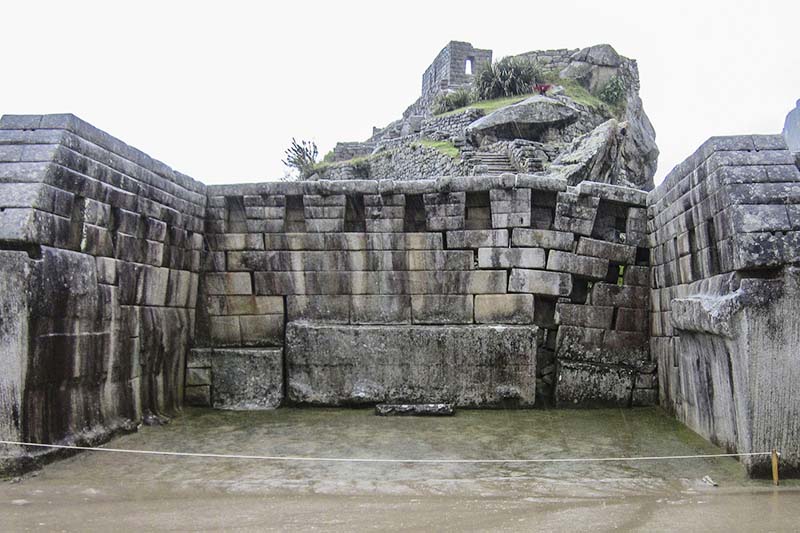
x=530, y=119
x=593, y=156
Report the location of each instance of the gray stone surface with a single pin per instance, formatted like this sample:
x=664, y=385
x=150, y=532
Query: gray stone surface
x=529, y=119
x=791, y=129
x=462, y=365
x=245, y=379
x=414, y=409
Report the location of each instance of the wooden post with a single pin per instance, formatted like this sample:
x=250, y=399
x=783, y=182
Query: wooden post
x=775, y=480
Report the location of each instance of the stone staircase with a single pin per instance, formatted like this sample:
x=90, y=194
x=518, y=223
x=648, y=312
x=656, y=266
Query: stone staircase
x=492, y=163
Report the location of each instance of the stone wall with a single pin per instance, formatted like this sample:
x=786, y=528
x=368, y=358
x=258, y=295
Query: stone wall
x=724, y=232
x=100, y=248
x=445, y=127
x=408, y=160
x=555, y=60
x=448, y=70
x=377, y=260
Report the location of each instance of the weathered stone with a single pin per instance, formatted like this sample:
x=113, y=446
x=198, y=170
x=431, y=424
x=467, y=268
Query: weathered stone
x=333, y=309
x=539, y=238
x=416, y=409
x=504, y=309
x=540, y=282
x=245, y=379
x=529, y=119
x=442, y=309
x=411, y=364
x=589, y=267
x=592, y=385
x=380, y=310
x=618, y=253
x=620, y=296
x=791, y=129
x=511, y=257
x=590, y=316
x=477, y=238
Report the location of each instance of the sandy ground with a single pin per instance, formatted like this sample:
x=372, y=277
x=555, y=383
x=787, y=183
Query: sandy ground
x=97, y=491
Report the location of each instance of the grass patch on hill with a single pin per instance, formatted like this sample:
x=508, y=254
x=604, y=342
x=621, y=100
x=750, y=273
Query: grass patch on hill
x=488, y=105
x=445, y=147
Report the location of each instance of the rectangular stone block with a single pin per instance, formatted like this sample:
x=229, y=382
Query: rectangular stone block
x=324, y=225
x=620, y=296
x=511, y=257
x=636, y=275
x=247, y=379
x=477, y=239
x=198, y=376
x=332, y=309
x=504, y=309
x=261, y=330
x=379, y=309
x=442, y=309
x=465, y=365
x=541, y=238
x=225, y=330
x=618, y=253
x=590, y=316
x=244, y=305
x=632, y=319
x=592, y=385
x=511, y=220
x=198, y=396
x=228, y=283
x=445, y=223
x=540, y=282
x=580, y=265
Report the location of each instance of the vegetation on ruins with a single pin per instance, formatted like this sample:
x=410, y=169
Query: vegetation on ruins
x=448, y=101
x=445, y=147
x=613, y=92
x=511, y=76
x=302, y=157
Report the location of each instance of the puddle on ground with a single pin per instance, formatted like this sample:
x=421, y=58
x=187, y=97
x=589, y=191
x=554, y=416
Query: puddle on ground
x=95, y=489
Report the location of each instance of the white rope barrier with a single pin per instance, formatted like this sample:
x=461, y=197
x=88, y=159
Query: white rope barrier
x=378, y=460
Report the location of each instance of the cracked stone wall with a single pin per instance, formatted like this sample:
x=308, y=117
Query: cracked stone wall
x=724, y=234
x=100, y=249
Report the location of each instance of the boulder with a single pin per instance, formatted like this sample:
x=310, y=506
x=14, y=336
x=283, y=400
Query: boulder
x=599, y=54
x=791, y=129
x=593, y=156
x=639, y=150
x=592, y=67
x=529, y=119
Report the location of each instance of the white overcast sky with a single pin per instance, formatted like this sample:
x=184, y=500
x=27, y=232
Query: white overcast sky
x=218, y=89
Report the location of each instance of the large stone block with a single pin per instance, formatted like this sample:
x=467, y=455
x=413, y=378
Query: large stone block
x=540, y=282
x=319, y=308
x=580, y=265
x=618, y=253
x=511, y=257
x=504, y=309
x=590, y=316
x=441, y=309
x=229, y=283
x=477, y=238
x=380, y=309
x=593, y=385
x=541, y=238
x=244, y=379
x=464, y=365
x=620, y=295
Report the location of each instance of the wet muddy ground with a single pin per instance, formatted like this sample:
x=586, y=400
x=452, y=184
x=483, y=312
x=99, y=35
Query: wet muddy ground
x=97, y=491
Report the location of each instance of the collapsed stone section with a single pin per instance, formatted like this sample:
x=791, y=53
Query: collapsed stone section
x=514, y=250
x=100, y=252
x=723, y=231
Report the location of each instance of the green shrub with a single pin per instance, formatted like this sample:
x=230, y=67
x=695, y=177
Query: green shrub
x=302, y=156
x=452, y=100
x=511, y=76
x=613, y=92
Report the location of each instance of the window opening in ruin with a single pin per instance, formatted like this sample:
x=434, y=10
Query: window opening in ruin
x=354, y=214
x=611, y=221
x=294, y=220
x=544, y=312
x=113, y=226
x=468, y=65
x=616, y=272
x=614, y=315
x=479, y=211
x=580, y=290
x=642, y=256
x=693, y=266
x=543, y=209
x=76, y=222
x=414, y=216
x=713, y=252
x=235, y=215
x=167, y=255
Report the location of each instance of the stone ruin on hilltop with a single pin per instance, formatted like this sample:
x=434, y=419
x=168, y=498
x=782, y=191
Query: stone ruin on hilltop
x=128, y=289
x=566, y=133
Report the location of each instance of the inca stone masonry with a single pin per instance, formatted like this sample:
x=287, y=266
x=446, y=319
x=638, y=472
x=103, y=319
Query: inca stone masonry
x=128, y=289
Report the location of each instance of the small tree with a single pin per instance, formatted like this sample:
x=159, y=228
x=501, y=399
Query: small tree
x=302, y=156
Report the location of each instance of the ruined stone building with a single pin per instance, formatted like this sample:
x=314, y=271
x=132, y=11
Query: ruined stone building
x=128, y=289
